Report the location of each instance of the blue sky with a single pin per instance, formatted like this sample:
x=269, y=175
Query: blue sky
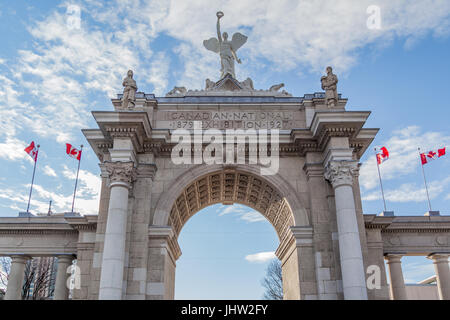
x=52, y=74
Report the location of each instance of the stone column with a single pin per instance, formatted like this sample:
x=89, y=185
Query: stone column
x=397, y=284
x=121, y=176
x=340, y=174
x=16, y=277
x=163, y=252
x=297, y=263
x=61, y=288
x=442, y=274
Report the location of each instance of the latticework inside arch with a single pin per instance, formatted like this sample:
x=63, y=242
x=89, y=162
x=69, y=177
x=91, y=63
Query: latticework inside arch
x=228, y=188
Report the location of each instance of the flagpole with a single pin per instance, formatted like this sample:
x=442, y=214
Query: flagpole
x=425, y=180
x=76, y=180
x=381, y=182
x=32, y=179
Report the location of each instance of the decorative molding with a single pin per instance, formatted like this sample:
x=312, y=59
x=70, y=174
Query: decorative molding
x=146, y=170
x=37, y=231
x=314, y=170
x=167, y=238
x=328, y=132
x=85, y=227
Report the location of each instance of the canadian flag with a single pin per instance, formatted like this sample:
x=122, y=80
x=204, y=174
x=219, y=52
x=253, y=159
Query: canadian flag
x=382, y=155
x=32, y=150
x=73, y=152
x=431, y=155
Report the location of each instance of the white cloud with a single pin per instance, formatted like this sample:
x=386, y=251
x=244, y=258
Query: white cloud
x=243, y=212
x=310, y=34
x=410, y=192
x=49, y=171
x=64, y=66
x=260, y=257
x=415, y=272
x=159, y=73
x=89, y=183
x=87, y=199
x=231, y=209
x=253, y=216
x=13, y=149
x=404, y=156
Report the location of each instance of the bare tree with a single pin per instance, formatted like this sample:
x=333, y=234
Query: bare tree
x=5, y=268
x=39, y=279
x=273, y=282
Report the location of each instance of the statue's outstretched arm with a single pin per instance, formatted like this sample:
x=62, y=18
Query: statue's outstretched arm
x=235, y=56
x=219, y=36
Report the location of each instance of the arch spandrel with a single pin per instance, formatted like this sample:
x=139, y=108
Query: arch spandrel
x=203, y=186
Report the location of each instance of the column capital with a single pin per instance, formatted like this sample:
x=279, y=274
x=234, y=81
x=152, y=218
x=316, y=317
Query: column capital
x=20, y=258
x=393, y=258
x=120, y=172
x=439, y=257
x=65, y=258
x=341, y=173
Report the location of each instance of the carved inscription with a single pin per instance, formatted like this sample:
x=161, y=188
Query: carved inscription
x=230, y=120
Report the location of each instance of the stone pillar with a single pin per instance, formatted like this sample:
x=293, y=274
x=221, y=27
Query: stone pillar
x=375, y=258
x=397, y=284
x=340, y=174
x=121, y=175
x=324, y=224
x=139, y=235
x=297, y=262
x=440, y=262
x=61, y=288
x=16, y=277
x=163, y=252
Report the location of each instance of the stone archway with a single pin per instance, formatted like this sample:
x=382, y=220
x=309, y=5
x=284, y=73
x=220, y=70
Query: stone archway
x=203, y=186
x=224, y=183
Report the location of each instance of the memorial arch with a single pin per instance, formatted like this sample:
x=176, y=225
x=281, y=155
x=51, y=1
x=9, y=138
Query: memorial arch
x=129, y=250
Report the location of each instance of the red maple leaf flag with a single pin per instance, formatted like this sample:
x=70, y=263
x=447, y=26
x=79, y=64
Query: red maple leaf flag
x=73, y=152
x=382, y=155
x=32, y=150
x=431, y=155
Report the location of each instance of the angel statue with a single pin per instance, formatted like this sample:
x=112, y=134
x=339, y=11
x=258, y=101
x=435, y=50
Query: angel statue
x=226, y=49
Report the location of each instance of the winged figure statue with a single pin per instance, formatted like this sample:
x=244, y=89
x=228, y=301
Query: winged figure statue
x=227, y=49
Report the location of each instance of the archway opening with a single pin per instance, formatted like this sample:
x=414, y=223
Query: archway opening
x=226, y=252
x=203, y=186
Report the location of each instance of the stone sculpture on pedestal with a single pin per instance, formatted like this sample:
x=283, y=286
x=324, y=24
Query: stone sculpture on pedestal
x=226, y=49
x=129, y=91
x=329, y=84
